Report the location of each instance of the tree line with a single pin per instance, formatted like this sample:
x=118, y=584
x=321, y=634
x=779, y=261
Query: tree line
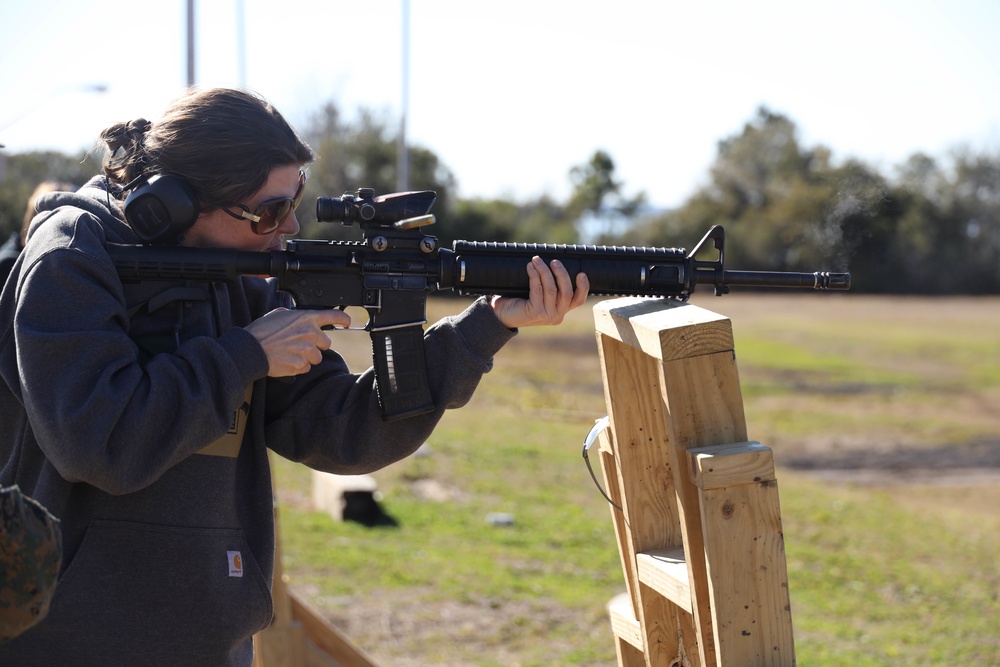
x=930, y=227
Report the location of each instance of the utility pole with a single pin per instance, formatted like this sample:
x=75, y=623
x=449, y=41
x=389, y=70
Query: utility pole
x=190, y=43
x=402, y=151
x=241, y=43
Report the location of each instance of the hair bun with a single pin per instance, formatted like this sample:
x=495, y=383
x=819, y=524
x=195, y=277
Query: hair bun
x=140, y=125
x=126, y=156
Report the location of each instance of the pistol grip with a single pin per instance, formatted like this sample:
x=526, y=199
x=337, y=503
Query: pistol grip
x=401, y=372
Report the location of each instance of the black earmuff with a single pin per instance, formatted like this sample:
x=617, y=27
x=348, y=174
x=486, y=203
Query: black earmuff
x=160, y=208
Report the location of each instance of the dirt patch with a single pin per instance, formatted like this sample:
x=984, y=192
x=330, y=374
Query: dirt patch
x=407, y=628
x=969, y=463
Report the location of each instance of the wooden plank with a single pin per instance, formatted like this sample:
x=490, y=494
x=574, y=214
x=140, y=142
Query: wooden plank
x=666, y=572
x=612, y=487
x=628, y=655
x=662, y=328
x=745, y=556
x=737, y=463
x=326, y=636
x=644, y=485
x=705, y=407
x=662, y=618
x=645, y=481
x=704, y=401
x=316, y=657
x=623, y=622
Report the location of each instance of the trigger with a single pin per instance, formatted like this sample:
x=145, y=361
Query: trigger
x=331, y=327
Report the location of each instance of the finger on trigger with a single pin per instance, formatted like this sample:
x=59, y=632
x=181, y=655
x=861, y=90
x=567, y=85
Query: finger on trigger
x=333, y=319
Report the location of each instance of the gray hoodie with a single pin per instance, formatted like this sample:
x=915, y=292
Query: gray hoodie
x=140, y=415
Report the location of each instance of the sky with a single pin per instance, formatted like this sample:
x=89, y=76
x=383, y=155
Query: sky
x=512, y=95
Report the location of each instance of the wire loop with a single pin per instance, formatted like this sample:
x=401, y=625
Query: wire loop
x=599, y=427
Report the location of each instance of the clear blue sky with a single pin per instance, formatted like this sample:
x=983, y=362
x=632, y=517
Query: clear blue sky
x=511, y=95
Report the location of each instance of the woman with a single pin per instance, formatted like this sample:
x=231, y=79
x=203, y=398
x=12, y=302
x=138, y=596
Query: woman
x=140, y=414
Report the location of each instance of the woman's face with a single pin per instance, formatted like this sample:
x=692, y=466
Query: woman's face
x=218, y=229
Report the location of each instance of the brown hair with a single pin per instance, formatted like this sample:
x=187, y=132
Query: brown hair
x=223, y=142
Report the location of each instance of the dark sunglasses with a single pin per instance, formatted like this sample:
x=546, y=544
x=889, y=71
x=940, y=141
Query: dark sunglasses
x=269, y=215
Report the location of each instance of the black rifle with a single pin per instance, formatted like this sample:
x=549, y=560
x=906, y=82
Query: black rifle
x=393, y=268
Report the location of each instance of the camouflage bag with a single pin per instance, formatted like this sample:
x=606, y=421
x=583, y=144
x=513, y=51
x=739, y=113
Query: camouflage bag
x=30, y=554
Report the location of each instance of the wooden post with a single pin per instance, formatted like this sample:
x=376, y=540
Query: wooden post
x=699, y=532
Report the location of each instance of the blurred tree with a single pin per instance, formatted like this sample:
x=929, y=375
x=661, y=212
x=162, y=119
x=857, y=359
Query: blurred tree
x=751, y=168
x=952, y=223
x=784, y=207
x=921, y=191
x=544, y=220
x=772, y=194
x=362, y=154
x=541, y=220
x=857, y=225
x=597, y=203
x=596, y=196
x=481, y=220
x=975, y=222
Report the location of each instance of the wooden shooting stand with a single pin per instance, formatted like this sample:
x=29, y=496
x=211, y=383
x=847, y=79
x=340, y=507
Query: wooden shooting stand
x=699, y=531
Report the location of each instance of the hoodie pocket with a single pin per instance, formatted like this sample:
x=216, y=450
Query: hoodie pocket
x=177, y=595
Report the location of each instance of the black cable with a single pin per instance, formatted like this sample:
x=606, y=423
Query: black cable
x=587, y=444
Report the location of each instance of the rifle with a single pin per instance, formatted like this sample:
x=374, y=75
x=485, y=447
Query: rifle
x=396, y=265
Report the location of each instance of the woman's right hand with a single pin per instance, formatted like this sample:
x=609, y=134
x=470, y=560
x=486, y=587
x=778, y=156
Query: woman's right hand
x=294, y=340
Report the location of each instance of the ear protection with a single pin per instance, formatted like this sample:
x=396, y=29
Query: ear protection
x=160, y=208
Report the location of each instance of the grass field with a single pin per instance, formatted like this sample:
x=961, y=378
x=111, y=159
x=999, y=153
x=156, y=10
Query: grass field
x=884, y=417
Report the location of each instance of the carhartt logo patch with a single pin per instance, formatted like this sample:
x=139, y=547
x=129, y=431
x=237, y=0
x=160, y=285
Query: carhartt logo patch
x=235, y=563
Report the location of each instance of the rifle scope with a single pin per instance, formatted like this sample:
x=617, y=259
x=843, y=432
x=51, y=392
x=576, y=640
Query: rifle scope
x=364, y=207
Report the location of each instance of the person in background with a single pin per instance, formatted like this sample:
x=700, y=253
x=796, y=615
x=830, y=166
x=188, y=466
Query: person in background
x=14, y=244
x=141, y=414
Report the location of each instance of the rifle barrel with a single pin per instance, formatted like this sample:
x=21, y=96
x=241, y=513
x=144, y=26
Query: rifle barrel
x=821, y=280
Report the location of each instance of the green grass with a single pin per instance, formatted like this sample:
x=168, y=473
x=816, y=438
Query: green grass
x=890, y=574
x=875, y=581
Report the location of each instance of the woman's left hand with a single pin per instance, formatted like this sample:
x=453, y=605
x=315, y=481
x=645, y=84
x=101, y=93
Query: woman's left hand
x=551, y=296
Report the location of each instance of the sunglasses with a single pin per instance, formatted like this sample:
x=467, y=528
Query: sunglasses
x=269, y=215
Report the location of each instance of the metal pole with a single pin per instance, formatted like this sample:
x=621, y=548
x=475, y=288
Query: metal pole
x=241, y=43
x=403, y=152
x=190, y=43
